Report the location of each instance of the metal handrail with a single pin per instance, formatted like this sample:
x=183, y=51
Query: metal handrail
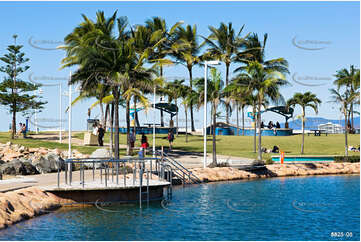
x=175, y=163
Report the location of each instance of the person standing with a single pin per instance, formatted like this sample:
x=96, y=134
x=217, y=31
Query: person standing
x=170, y=139
x=23, y=131
x=101, y=132
x=144, y=142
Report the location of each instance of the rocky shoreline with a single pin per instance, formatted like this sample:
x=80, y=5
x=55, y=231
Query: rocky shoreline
x=19, y=205
x=276, y=170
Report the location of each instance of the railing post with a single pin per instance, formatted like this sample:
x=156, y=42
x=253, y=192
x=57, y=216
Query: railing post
x=83, y=180
x=106, y=176
x=101, y=172
x=147, y=188
x=93, y=170
x=140, y=187
x=125, y=174
x=117, y=177
x=112, y=172
x=134, y=173
x=71, y=172
x=151, y=163
x=66, y=173
x=183, y=180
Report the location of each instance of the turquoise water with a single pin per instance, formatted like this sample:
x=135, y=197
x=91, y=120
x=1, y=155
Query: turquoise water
x=307, y=158
x=307, y=208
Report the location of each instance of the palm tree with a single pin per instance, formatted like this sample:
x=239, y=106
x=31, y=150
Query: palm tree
x=239, y=95
x=345, y=100
x=350, y=79
x=304, y=100
x=161, y=41
x=173, y=91
x=188, y=96
x=224, y=44
x=264, y=77
x=215, y=95
x=264, y=84
x=186, y=50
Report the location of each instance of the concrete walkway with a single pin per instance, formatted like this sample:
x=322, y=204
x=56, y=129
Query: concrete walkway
x=195, y=159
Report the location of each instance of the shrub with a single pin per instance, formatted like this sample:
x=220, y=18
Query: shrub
x=269, y=161
x=352, y=159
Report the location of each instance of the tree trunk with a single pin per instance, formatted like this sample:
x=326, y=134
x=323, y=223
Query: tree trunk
x=191, y=104
x=227, y=105
x=176, y=103
x=106, y=116
x=116, y=121
x=214, y=153
x=352, y=122
x=13, y=123
x=259, y=133
x=186, y=113
x=128, y=124
x=112, y=130
x=346, y=143
x=242, y=120
x=237, y=114
x=254, y=130
x=303, y=130
x=161, y=111
x=135, y=116
x=102, y=117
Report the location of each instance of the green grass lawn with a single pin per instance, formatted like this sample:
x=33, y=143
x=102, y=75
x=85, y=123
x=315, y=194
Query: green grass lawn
x=241, y=146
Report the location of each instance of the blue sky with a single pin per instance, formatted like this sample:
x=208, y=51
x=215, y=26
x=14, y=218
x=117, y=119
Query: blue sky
x=293, y=29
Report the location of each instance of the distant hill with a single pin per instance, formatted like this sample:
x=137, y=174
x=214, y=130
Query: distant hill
x=313, y=122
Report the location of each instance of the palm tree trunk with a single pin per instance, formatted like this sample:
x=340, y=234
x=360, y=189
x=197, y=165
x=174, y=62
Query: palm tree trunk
x=237, y=118
x=346, y=143
x=352, y=122
x=214, y=153
x=176, y=103
x=303, y=130
x=116, y=125
x=227, y=105
x=161, y=111
x=128, y=124
x=186, y=113
x=191, y=104
x=111, y=129
x=101, y=106
x=242, y=120
x=254, y=130
x=106, y=116
x=259, y=132
x=135, y=115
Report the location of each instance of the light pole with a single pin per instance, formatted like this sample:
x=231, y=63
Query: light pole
x=154, y=114
x=206, y=63
x=60, y=114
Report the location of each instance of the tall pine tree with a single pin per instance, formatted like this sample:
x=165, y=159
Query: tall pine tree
x=16, y=94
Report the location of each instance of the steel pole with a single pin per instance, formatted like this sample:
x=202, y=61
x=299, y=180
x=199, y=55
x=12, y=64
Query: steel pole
x=154, y=115
x=205, y=118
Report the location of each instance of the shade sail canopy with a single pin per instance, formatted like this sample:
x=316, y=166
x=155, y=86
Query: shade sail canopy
x=170, y=108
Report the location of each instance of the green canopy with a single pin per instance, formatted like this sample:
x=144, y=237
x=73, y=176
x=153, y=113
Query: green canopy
x=170, y=108
x=282, y=110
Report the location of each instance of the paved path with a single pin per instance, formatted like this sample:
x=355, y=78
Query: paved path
x=195, y=159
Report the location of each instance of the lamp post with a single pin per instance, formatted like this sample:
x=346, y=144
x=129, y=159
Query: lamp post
x=206, y=63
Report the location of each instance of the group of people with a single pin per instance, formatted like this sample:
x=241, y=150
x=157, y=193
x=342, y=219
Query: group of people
x=99, y=131
x=275, y=149
x=144, y=142
x=271, y=125
x=352, y=148
x=22, y=130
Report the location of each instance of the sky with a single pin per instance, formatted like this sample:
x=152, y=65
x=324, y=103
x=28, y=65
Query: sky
x=316, y=38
